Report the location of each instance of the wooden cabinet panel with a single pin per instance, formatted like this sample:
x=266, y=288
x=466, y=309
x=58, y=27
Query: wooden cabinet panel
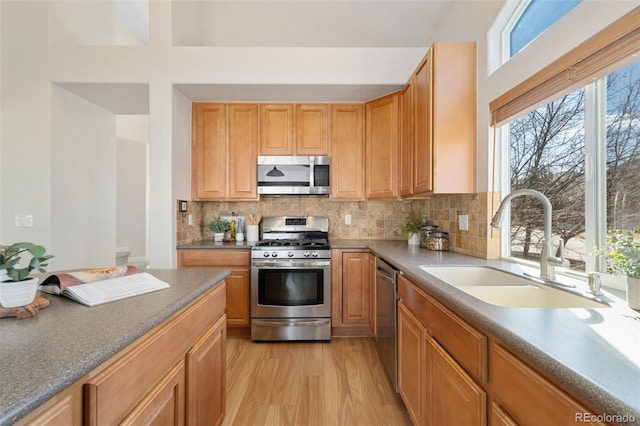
x=347, y=152
x=454, y=398
x=238, y=282
x=276, y=129
x=242, y=130
x=411, y=364
x=63, y=409
x=526, y=396
x=423, y=116
x=312, y=129
x=406, y=140
x=164, y=405
x=382, y=147
x=206, y=378
x=498, y=417
x=466, y=344
x=209, y=151
x=445, y=117
x=356, y=288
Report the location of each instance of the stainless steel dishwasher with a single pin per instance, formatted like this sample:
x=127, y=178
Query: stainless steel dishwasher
x=386, y=305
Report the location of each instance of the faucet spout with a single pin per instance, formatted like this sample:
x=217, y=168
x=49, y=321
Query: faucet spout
x=547, y=261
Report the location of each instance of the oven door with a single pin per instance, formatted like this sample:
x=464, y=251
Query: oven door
x=291, y=289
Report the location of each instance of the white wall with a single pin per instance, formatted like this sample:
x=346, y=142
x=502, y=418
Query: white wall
x=83, y=183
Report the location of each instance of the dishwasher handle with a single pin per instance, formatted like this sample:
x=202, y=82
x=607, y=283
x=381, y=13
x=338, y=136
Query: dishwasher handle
x=386, y=271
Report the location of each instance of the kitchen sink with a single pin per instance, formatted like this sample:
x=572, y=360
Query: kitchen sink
x=505, y=289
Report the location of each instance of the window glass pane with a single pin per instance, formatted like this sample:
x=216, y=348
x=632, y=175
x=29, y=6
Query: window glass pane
x=547, y=154
x=623, y=152
x=537, y=17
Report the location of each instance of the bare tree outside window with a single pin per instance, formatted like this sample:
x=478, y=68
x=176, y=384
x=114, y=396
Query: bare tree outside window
x=547, y=153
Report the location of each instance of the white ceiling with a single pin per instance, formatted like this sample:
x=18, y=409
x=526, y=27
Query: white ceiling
x=383, y=24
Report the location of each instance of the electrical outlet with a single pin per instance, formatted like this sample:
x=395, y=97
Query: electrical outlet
x=23, y=221
x=347, y=219
x=190, y=220
x=463, y=222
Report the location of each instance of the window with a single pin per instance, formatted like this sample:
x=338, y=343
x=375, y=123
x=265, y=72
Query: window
x=534, y=19
x=582, y=150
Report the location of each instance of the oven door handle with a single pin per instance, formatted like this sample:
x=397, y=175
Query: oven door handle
x=296, y=323
x=291, y=264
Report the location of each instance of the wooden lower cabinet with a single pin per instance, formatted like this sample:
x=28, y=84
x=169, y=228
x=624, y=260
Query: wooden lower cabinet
x=238, y=282
x=173, y=375
x=411, y=363
x=206, y=377
x=352, y=292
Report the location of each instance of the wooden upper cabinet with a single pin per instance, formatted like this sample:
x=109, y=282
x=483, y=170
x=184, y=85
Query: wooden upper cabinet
x=347, y=152
x=445, y=116
x=312, y=129
x=224, y=151
x=287, y=129
x=209, y=151
x=242, y=136
x=276, y=129
x=406, y=140
x=382, y=147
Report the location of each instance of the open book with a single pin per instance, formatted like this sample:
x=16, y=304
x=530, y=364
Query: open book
x=97, y=286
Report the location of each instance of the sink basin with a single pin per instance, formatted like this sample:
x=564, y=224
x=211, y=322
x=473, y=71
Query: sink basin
x=459, y=276
x=504, y=289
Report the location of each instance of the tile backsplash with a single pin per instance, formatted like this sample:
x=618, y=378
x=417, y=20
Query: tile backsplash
x=370, y=220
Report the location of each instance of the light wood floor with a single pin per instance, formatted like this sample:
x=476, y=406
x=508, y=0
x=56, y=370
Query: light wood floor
x=306, y=384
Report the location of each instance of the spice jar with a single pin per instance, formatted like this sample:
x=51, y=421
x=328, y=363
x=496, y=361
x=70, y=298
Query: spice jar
x=424, y=234
x=438, y=241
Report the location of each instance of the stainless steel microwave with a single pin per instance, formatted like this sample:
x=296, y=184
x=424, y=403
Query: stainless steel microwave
x=294, y=175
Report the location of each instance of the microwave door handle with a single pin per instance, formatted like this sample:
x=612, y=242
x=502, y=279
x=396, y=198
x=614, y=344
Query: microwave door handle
x=312, y=177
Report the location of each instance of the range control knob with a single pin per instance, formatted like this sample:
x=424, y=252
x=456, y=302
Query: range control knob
x=274, y=254
x=306, y=254
x=290, y=254
x=265, y=254
x=314, y=254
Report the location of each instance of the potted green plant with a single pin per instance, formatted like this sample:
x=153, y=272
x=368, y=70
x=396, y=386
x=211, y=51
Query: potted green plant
x=16, y=288
x=623, y=257
x=410, y=228
x=218, y=226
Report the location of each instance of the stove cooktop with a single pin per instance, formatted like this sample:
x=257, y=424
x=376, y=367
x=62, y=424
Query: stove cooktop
x=293, y=243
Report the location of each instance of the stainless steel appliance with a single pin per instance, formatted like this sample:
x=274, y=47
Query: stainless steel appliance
x=294, y=175
x=386, y=318
x=291, y=280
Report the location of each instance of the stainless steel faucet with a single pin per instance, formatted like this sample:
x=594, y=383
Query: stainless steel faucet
x=547, y=261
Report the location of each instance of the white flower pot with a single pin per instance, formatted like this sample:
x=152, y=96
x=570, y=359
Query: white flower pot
x=633, y=292
x=18, y=293
x=414, y=239
x=218, y=236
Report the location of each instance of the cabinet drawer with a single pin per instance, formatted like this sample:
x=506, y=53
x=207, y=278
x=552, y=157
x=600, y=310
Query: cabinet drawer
x=466, y=344
x=188, y=258
x=113, y=392
x=525, y=395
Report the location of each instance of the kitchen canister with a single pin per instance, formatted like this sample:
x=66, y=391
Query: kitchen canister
x=252, y=232
x=425, y=231
x=438, y=241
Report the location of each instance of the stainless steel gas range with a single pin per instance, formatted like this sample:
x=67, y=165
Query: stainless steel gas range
x=291, y=280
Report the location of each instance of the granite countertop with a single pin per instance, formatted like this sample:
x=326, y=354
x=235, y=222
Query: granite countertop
x=596, y=352
x=43, y=355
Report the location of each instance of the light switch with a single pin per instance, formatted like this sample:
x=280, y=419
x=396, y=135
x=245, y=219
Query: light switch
x=463, y=222
x=347, y=219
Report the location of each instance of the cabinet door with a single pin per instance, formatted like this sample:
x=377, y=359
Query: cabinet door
x=382, y=147
x=242, y=128
x=276, y=129
x=356, y=288
x=238, y=297
x=206, y=378
x=453, y=397
x=209, y=151
x=164, y=405
x=312, y=129
x=347, y=152
x=423, y=119
x=411, y=367
x=406, y=140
